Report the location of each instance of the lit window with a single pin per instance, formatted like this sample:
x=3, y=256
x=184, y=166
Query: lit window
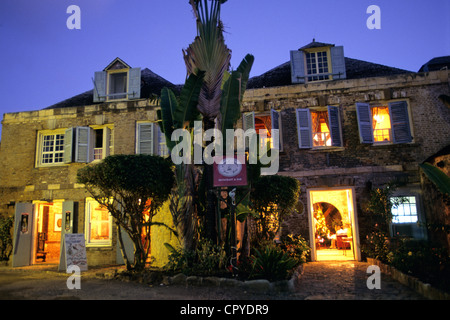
x=381, y=123
x=320, y=129
x=52, y=149
x=264, y=123
x=317, y=65
x=98, y=224
x=404, y=209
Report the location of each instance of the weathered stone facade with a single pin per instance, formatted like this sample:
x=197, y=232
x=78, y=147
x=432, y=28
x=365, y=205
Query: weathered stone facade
x=353, y=166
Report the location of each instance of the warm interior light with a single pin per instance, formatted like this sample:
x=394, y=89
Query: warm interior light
x=381, y=124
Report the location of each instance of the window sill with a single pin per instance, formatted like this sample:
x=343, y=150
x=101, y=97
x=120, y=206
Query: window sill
x=327, y=149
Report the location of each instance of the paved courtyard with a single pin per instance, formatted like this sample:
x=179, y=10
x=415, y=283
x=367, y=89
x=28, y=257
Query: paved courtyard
x=339, y=280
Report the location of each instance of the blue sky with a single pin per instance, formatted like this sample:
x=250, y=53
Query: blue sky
x=44, y=62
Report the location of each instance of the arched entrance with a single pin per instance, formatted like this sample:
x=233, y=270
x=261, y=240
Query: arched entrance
x=333, y=225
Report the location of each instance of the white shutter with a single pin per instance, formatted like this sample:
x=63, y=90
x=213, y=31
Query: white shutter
x=276, y=124
x=249, y=120
x=364, y=116
x=68, y=145
x=100, y=86
x=304, y=128
x=298, y=66
x=335, y=126
x=106, y=140
x=134, y=83
x=145, y=141
x=84, y=144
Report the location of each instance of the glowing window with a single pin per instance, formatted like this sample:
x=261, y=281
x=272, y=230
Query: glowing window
x=404, y=209
x=381, y=123
x=320, y=129
x=98, y=225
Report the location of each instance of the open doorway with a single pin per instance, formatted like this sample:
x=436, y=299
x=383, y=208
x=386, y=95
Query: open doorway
x=333, y=225
x=47, y=235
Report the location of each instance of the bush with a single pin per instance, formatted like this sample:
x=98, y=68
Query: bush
x=273, y=264
x=424, y=260
x=377, y=246
x=6, y=243
x=296, y=247
x=206, y=260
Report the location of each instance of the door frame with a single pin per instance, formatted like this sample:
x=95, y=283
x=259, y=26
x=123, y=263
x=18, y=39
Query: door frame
x=354, y=217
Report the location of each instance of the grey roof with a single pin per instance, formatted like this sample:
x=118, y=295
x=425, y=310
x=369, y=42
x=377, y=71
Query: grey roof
x=355, y=69
x=315, y=44
x=151, y=84
x=435, y=64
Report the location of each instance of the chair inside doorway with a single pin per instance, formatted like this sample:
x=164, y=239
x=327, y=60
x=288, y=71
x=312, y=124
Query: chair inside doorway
x=333, y=233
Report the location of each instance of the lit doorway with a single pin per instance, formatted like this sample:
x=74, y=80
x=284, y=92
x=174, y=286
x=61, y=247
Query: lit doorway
x=333, y=224
x=47, y=233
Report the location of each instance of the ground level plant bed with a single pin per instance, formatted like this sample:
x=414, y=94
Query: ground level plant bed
x=424, y=289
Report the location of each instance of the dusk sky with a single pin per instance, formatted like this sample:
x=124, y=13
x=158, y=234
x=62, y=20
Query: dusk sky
x=44, y=62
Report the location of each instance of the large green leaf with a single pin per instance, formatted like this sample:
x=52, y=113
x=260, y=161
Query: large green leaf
x=187, y=111
x=437, y=176
x=168, y=106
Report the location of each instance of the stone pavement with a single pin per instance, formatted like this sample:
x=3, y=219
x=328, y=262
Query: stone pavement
x=347, y=280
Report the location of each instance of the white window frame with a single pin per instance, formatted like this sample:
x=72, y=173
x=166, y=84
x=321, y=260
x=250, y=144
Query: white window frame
x=404, y=206
x=318, y=76
x=40, y=148
x=90, y=205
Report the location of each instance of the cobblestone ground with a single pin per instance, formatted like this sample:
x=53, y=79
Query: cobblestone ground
x=320, y=281
x=347, y=280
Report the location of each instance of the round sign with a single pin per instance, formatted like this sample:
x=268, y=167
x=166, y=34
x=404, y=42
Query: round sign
x=230, y=168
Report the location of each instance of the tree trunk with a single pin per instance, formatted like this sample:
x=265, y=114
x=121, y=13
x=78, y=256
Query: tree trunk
x=210, y=218
x=122, y=248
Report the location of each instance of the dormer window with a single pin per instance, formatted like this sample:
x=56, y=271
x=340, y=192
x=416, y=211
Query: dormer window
x=118, y=81
x=317, y=62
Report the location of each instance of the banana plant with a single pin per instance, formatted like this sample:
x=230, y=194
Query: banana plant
x=211, y=92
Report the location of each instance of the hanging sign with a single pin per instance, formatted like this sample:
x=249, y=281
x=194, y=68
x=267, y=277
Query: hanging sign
x=229, y=172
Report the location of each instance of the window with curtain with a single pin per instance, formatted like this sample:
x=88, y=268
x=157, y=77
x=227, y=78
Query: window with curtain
x=320, y=129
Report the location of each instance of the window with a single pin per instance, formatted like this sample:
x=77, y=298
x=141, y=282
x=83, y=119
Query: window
x=384, y=123
x=98, y=224
x=318, y=128
x=317, y=64
x=117, y=85
x=50, y=148
x=150, y=139
x=404, y=209
x=86, y=144
x=264, y=122
x=118, y=81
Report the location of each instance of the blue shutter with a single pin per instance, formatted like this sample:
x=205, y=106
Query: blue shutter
x=100, y=86
x=364, y=116
x=338, y=62
x=401, y=130
x=298, y=67
x=134, y=83
x=68, y=145
x=276, y=124
x=304, y=129
x=83, y=144
x=145, y=139
x=335, y=126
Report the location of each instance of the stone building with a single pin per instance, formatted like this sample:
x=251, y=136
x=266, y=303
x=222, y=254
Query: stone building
x=346, y=126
